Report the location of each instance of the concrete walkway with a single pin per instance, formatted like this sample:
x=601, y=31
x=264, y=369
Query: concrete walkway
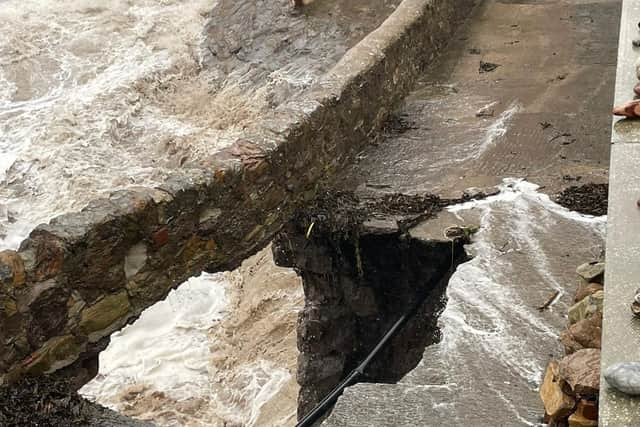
x=524, y=91
x=544, y=111
x=620, y=330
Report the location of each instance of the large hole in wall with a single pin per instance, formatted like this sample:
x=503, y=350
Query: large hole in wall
x=356, y=287
x=219, y=350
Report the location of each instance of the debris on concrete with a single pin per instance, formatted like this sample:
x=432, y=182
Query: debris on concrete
x=588, y=199
x=487, y=111
x=487, y=67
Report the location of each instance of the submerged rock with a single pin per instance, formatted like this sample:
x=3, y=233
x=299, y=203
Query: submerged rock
x=624, y=377
x=591, y=271
x=581, y=370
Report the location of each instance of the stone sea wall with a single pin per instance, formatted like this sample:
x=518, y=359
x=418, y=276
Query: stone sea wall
x=86, y=274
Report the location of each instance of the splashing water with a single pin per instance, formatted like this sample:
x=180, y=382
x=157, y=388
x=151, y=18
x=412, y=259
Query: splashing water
x=495, y=342
x=75, y=122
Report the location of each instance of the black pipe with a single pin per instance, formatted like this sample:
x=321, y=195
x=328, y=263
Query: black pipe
x=330, y=399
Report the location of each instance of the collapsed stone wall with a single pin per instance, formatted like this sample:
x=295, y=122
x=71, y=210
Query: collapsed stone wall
x=361, y=272
x=86, y=274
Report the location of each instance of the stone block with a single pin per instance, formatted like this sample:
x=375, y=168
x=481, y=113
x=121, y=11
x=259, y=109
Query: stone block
x=577, y=420
x=592, y=271
x=585, y=333
x=586, y=289
x=586, y=307
x=581, y=370
x=105, y=316
x=55, y=354
x=11, y=269
x=557, y=404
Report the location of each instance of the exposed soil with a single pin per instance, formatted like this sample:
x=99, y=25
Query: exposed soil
x=589, y=199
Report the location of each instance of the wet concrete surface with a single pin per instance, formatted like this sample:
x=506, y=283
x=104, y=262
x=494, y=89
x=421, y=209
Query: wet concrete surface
x=542, y=114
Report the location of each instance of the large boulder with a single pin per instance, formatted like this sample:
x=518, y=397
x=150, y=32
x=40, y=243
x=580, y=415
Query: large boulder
x=557, y=404
x=585, y=333
x=586, y=307
x=581, y=370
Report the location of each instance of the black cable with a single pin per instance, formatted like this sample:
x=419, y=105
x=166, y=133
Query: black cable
x=330, y=399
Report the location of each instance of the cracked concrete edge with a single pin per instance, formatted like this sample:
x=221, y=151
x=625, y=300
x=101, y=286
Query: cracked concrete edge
x=620, y=330
x=78, y=259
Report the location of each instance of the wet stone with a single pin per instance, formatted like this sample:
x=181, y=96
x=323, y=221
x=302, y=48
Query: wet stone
x=584, y=290
x=105, y=316
x=624, y=377
x=56, y=353
x=585, y=333
x=587, y=409
x=11, y=269
x=577, y=420
x=581, y=370
x=557, y=404
x=587, y=307
x=591, y=271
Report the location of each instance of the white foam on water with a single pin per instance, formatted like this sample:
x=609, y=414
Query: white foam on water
x=491, y=328
x=252, y=386
x=74, y=120
x=496, y=130
x=167, y=348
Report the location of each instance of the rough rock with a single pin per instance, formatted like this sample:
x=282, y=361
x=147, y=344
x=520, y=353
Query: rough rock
x=11, y=269
x=577, y=420
x=587, y=409
x=585, y=333
x=581, y=370
x=56, y=353
x=105, y=316
x=586, y=307
x=586, y=289
x=630, y=109
x=591, y=271
x=557, y=404
x=624, y=377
